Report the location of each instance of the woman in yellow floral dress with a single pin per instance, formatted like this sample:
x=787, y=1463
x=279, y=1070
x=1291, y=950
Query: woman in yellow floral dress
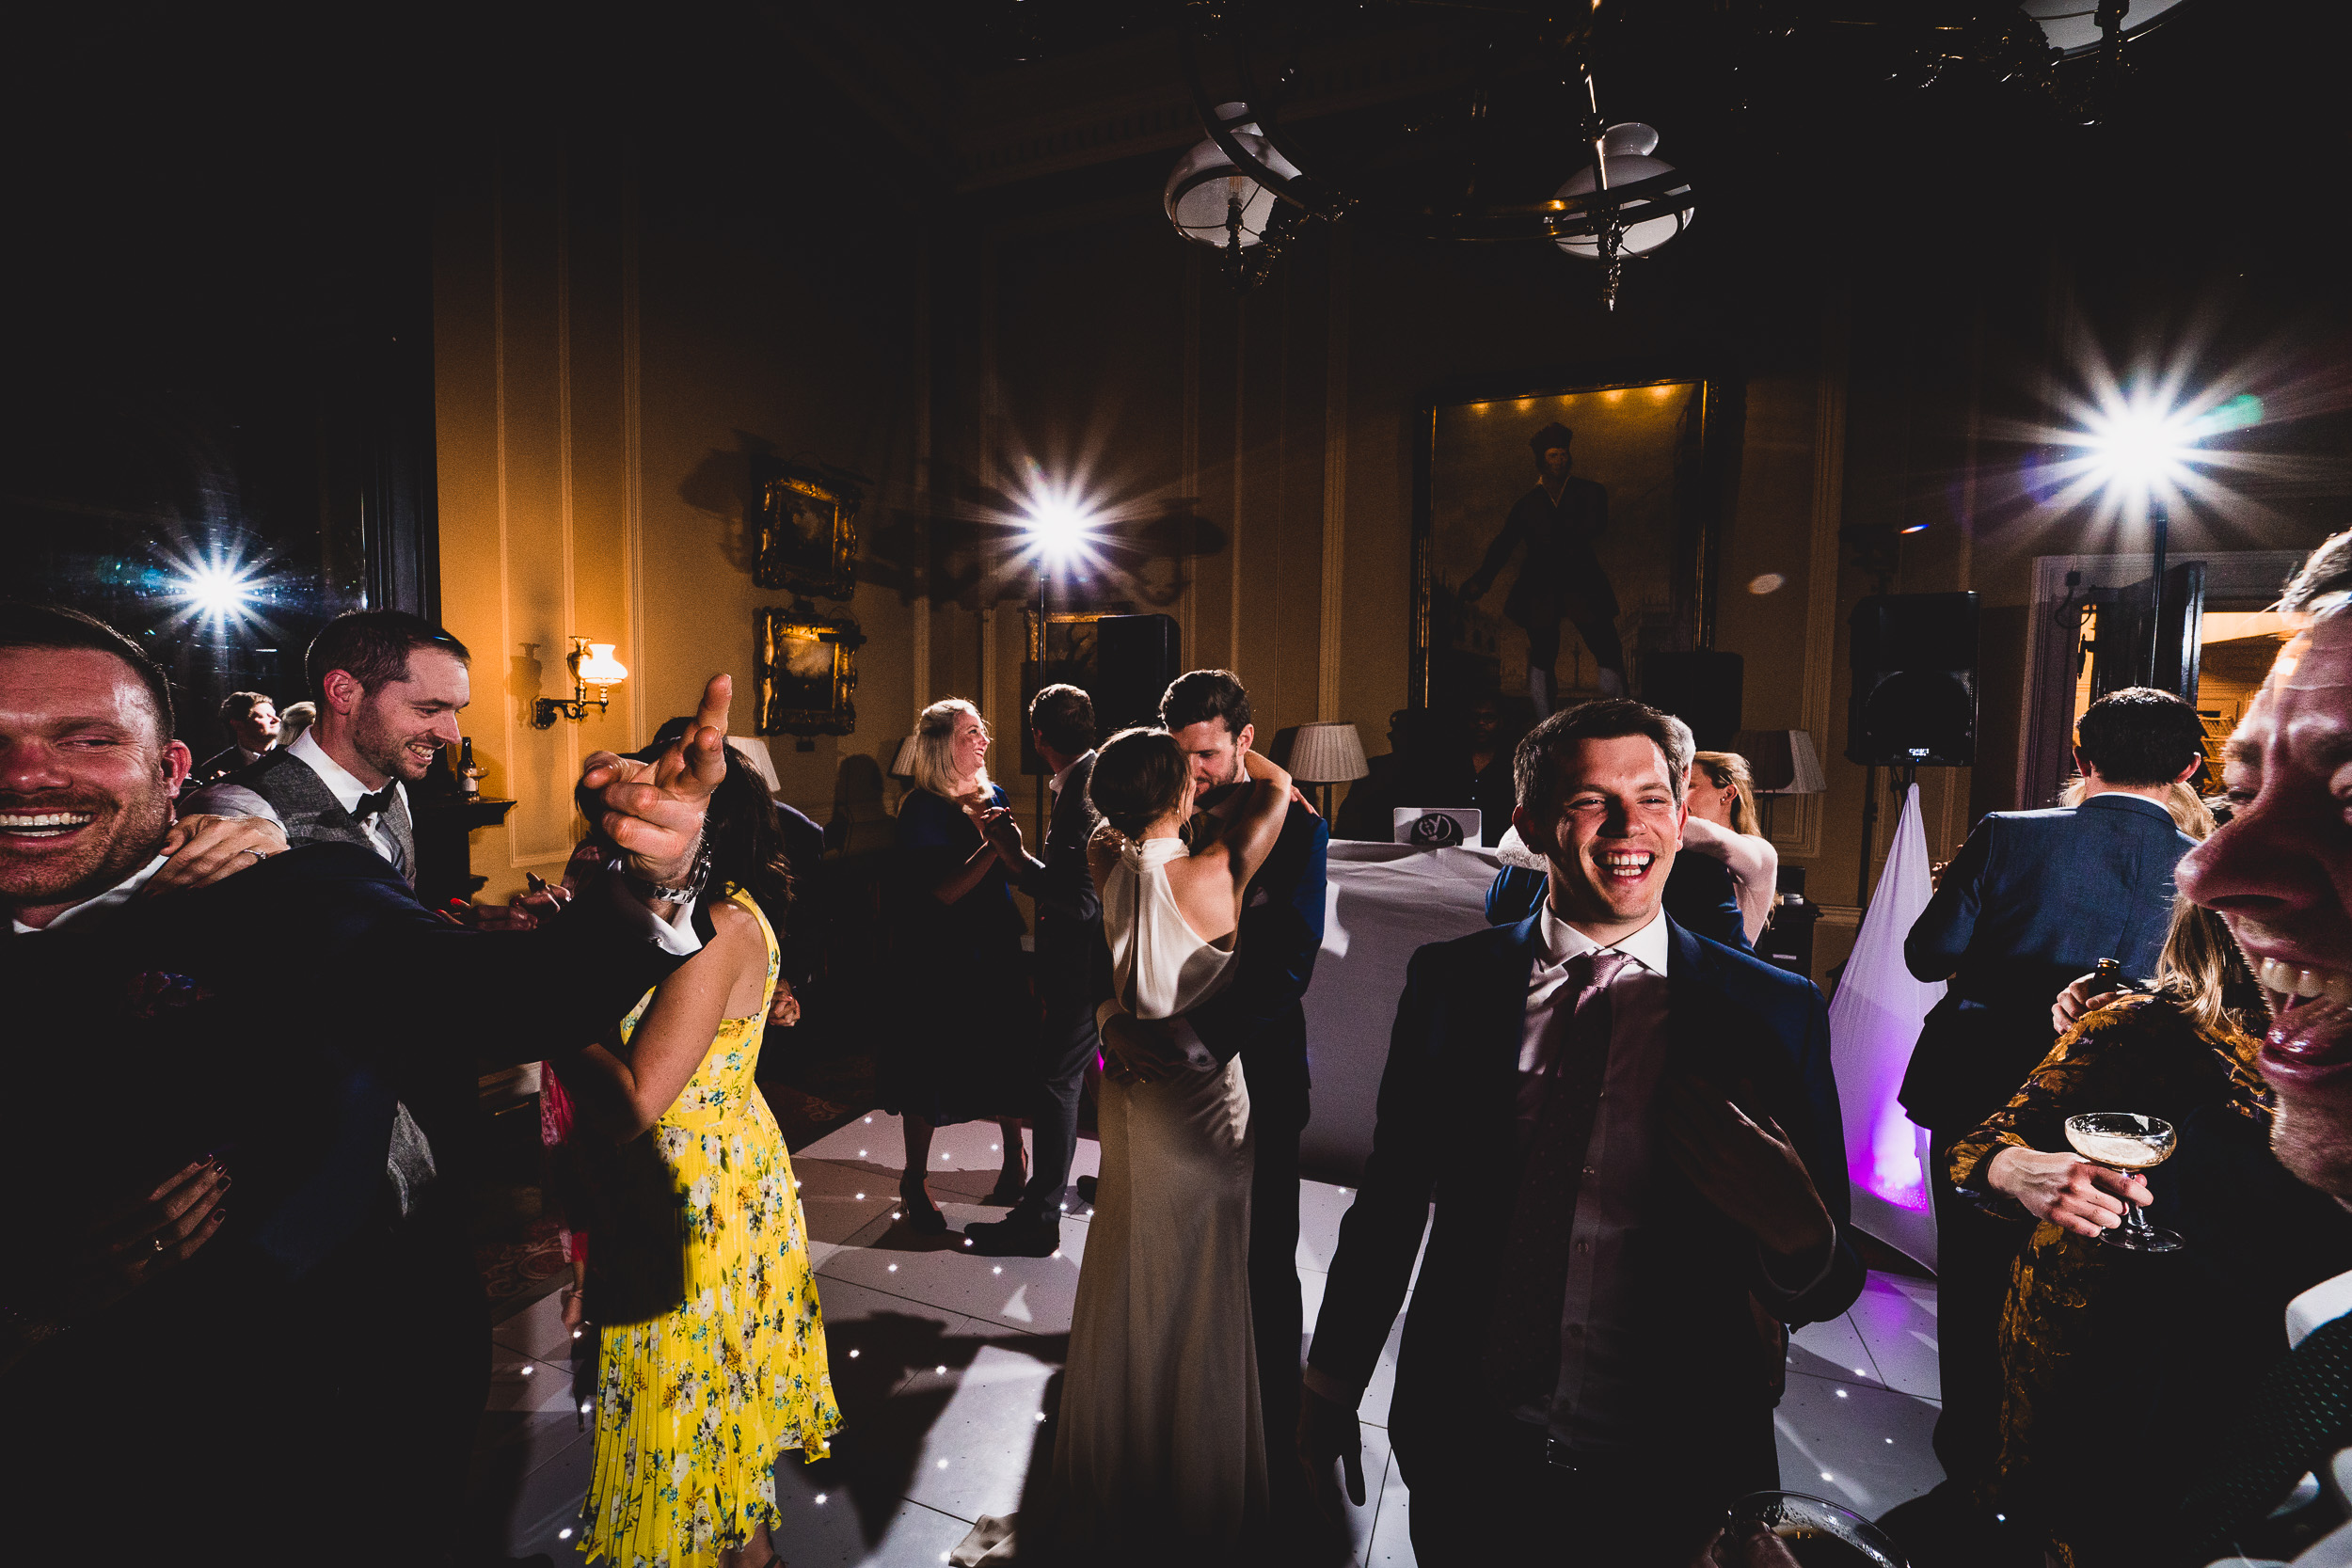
x=713, y=1357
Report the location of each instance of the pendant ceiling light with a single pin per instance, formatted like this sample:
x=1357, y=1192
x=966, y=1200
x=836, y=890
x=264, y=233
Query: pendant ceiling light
x=1212, y=201
x=1625, y=226
x=1433, y=173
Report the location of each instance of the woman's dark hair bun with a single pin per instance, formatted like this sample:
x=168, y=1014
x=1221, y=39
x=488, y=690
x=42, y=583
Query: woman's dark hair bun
x=1138, y=778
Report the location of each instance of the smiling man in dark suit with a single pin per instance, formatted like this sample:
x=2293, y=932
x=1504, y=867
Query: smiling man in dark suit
x=1631, y=1137
x=202, y=1373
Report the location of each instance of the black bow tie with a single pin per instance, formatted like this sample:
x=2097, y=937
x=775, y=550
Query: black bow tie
x=376, y=804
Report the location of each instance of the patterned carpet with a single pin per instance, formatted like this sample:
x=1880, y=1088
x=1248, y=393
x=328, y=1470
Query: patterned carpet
x=515, y=1269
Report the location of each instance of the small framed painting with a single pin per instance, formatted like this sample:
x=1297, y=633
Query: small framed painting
x=807, y=528
x=807, y=670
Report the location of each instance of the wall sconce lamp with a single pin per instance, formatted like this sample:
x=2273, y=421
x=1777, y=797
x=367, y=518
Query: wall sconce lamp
x=591, y=664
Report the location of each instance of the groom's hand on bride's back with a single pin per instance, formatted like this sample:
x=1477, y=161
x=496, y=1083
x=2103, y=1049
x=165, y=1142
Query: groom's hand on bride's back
x=1131, y=1055
x=1328, y=1432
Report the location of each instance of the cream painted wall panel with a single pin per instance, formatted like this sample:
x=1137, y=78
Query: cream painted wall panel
x=595, y=284
x=466, y=448
x=600, y=386
x=739, y=358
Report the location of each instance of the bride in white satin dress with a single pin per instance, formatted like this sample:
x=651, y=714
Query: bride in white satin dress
x=1159, y=1449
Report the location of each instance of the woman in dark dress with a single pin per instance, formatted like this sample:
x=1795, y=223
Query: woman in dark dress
x=970, y=1012
x=2115, y=1362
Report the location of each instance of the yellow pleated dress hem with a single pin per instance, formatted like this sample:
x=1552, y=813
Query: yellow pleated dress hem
x=694, y=1406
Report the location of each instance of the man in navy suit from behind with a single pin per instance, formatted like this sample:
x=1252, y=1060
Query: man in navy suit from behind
x=2033, y=900
x=1631, y=1138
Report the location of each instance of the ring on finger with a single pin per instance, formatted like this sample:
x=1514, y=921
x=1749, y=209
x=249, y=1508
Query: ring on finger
x=159, y=1244
x=258, y=855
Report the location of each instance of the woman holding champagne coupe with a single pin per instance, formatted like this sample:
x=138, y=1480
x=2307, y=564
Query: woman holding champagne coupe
x=2102, y=1343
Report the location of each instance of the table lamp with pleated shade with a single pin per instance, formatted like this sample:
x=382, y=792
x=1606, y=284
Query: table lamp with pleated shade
x=1327, y=752
x=1782, y=762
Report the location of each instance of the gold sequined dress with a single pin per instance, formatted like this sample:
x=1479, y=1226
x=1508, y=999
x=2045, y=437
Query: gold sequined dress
x=2066, y=1320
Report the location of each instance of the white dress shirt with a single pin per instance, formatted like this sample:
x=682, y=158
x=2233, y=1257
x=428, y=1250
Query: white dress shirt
x=1599, y=1387
x=347, y=790
x=1055, y=782
x=98, y=904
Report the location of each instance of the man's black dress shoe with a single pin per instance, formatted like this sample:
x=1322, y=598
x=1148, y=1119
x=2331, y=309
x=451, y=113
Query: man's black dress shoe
x=1013, y=1237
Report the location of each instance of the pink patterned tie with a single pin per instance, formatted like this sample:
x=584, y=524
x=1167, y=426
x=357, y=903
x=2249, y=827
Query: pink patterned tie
x=1530, y=1288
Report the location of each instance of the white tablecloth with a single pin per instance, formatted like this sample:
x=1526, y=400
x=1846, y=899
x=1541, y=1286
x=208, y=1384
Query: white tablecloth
x=1384, y=901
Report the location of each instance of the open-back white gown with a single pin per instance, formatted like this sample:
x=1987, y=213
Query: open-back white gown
x=1160, y=1448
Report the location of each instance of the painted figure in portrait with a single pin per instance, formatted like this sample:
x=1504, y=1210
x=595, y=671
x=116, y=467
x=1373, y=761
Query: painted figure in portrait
x=1556, y=584
x=1553, y=528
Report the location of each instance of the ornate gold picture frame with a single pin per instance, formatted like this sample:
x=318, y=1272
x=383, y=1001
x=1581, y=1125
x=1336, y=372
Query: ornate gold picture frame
x=809, y=528
x=807, y=669
x=1619, y=565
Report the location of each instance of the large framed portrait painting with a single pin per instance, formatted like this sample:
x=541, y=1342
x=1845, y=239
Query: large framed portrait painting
x=1563, y=532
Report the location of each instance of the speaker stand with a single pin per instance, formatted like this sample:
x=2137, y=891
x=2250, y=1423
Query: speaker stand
x=1869, y=836
x=1898, y=783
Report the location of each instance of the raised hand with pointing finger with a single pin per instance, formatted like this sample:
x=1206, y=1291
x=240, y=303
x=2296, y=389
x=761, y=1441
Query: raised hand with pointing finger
x=653, y=811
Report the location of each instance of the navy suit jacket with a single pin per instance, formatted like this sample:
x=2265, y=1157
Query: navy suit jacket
x=800, y=925
x=2034, y=899
x=1445, y=1134
x=1074, y=963
x=1701, y=898
x=276, y=1016
x=1259, y=1016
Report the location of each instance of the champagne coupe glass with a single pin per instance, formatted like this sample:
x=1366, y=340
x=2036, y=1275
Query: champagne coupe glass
x=2124, y=1142
x=1817, y=1534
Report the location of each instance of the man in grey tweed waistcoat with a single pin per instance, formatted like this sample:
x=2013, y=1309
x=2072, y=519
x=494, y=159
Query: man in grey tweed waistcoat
x=388, y=688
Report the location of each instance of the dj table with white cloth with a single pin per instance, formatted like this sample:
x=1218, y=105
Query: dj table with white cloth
x=1384, y=900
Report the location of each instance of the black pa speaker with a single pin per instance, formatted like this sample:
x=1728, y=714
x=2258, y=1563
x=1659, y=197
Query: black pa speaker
x=1700, y=687
x=1135, y=659
x=1914, y=681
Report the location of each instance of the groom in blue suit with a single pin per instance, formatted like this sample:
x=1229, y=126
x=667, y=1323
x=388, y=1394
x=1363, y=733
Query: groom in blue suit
x=1630, y=1136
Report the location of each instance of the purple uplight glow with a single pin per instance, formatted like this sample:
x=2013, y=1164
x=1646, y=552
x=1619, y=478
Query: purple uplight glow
x=1895, y=1173
x=1874, y=1022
